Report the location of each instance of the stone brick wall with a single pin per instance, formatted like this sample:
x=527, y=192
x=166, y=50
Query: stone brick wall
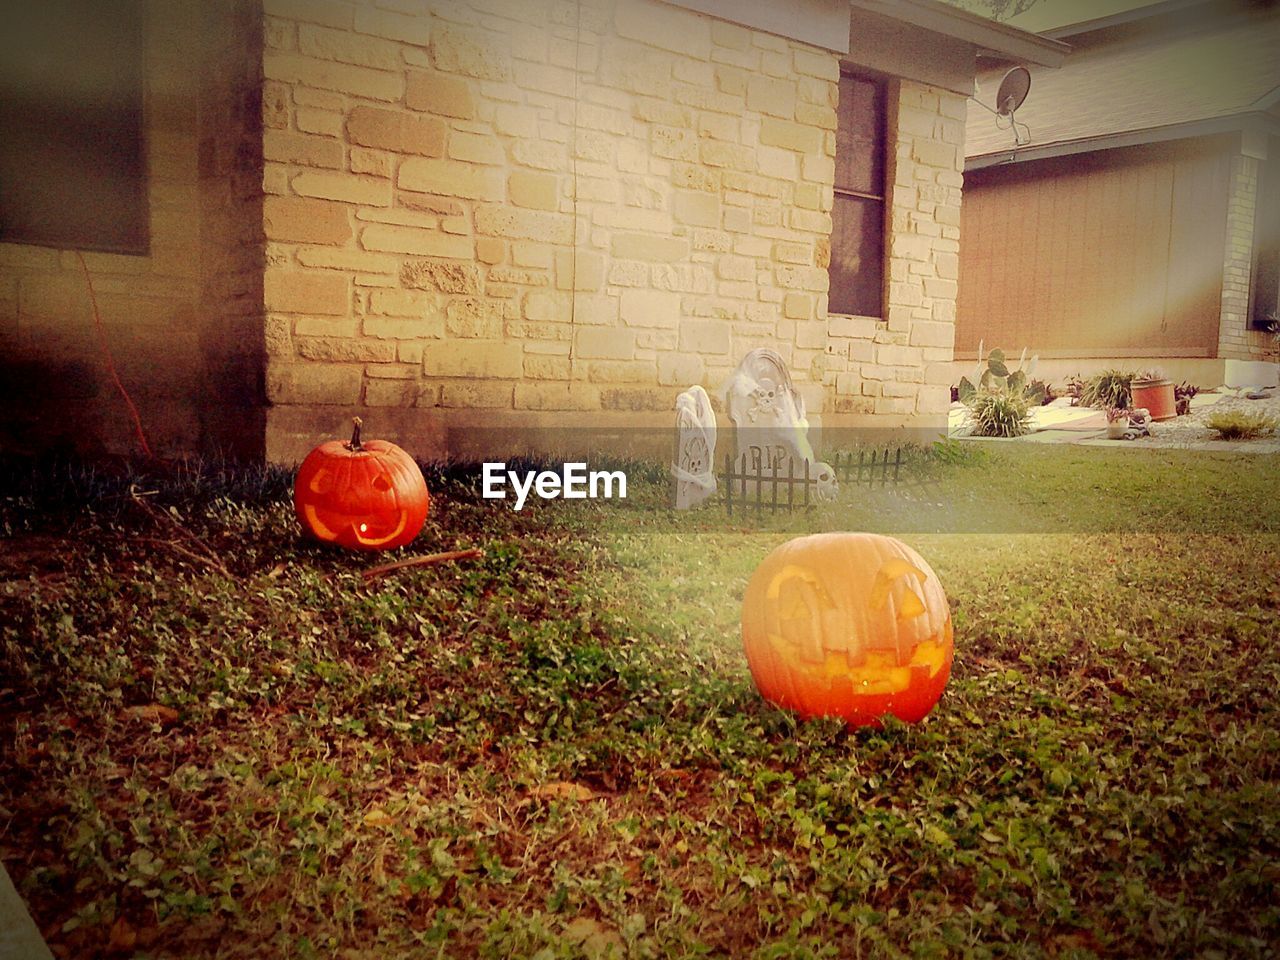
x=51, y=365
x=1235, y=339
x=900, y=370
x=534, y=212
x=184, y=322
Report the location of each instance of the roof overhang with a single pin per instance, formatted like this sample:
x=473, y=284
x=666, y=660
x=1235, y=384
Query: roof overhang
x=1247, y=123
x=991, y=39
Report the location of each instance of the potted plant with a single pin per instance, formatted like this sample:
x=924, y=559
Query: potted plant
x=1152, y=390
x=1117, y=422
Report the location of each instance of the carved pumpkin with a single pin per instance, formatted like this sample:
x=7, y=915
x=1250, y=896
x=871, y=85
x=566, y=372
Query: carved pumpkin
x=363, y=495
x=851, y=625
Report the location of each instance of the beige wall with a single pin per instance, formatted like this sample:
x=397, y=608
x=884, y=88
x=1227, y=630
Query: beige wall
x=533, y=213
x=162, y=317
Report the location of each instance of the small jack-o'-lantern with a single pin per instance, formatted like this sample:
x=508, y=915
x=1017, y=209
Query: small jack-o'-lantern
x=851, y=625
x=363, y=495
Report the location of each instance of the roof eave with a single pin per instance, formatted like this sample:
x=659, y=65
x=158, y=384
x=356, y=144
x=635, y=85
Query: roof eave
x=992, y=39
x=1251, y=121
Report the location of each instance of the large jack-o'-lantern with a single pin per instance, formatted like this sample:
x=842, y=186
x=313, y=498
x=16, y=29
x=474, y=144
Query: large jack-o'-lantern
x=366, y=495
x=850, y=625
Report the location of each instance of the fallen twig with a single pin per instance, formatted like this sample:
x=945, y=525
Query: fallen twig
x=205, y=554
x=423, y=561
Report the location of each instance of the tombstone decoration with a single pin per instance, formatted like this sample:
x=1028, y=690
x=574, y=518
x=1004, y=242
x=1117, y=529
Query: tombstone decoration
x=694, y=466
x=768, y=415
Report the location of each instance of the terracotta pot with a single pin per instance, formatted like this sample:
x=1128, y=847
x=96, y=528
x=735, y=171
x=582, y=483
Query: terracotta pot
x=1156, y=396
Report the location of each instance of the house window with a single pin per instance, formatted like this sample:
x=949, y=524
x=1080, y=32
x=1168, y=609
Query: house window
x=858, y=216
x=72, y=162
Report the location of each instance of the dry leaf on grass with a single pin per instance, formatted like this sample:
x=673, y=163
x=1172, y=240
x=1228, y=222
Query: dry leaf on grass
x=379, y=818
x=152, y=713
x=596, y=939
x=561, y=790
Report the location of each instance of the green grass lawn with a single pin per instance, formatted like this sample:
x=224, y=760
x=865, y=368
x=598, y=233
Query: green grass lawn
x=557, y=750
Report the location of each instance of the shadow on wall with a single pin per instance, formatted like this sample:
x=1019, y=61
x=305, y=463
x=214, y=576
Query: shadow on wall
x=232, y=408
x=180, y=307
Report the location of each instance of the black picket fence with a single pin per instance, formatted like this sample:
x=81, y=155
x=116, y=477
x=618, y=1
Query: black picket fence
x=757, y=484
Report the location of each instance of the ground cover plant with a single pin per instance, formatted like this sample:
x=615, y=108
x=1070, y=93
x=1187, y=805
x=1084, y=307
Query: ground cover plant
x=1241, y=425
x=556, y=751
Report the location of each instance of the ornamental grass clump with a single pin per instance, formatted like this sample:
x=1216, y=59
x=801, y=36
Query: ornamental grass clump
x=998, y=401
x=1238, y=425
x=999, y=413
x=1110, y=388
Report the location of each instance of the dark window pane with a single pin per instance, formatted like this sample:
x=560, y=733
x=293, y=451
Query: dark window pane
x=860, y=136
x=857, y=256
x=72, y=164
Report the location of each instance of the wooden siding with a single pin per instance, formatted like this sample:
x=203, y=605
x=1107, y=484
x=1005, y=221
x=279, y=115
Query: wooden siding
x=1115, y=253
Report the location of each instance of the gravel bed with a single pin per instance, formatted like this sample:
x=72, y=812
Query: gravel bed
x=1190, y=428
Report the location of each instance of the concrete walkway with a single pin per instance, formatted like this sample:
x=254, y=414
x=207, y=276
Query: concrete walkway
x=19, y=938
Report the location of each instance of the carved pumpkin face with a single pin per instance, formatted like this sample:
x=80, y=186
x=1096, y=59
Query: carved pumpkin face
x=364, y=496
x=851, y=625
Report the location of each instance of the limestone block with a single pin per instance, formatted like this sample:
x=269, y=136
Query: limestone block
x=447, y=276
x=330, y=75
x=344, y=187
x=771, y=96
x=620, y=371
x=429, y=243
x=474, y=317
x=604, y=343
x=472, y=395
x=663, y=26
x=403, y=303
x=396, y=131
x=451, y=178
x=789, y=135
x=537, y=191
x=474, y=53
x=707, y=337
x=476, y=148
x=343, y=45
x=305, y=220
x=650, y=308
x=479, y=359
x=295, y=291
x=636, y=399
x=342, y=350
x=442, y=95
x=334, y=258
x=313, y=383
x=650, y=247
x=557, y=396
x=285, y=146
x=504, y=221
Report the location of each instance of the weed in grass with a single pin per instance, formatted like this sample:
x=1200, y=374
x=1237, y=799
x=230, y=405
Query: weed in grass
x=1241, y=425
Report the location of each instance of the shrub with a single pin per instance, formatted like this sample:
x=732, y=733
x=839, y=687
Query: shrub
x=1116, y=414
x=1110, y=388
x=1238, y=425
x=999, y=413
x=1182, y=394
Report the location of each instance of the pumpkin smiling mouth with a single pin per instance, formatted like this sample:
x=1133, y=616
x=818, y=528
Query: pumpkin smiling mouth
x=798, y=600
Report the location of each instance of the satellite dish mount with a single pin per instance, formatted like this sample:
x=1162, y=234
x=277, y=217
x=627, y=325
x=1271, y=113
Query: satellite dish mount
x=1011, y=94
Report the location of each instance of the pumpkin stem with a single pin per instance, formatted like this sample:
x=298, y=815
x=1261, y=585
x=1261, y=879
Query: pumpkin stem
x=354, y=445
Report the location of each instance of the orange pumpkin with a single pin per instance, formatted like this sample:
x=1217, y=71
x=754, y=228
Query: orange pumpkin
x=850, y=625
x=362, y=495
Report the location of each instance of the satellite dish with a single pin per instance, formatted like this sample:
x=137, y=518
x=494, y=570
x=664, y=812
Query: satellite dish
x=1014, y=87
x=1013, y=91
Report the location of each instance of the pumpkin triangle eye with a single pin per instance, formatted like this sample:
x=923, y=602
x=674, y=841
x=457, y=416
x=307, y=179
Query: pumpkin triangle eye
x=381, y=483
